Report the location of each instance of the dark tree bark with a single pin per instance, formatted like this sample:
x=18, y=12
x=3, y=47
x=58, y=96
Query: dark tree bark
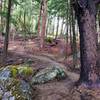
x=74, y=46
x=86, y=11
x=6, y=41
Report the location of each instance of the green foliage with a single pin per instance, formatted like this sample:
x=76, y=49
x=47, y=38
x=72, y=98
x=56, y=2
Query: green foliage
x=24, y=14
x=49, y=39
x=14, y=72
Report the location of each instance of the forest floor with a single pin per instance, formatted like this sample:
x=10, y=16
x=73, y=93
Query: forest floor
x=21, y=51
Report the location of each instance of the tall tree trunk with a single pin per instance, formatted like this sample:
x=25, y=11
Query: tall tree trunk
x=74, y=46
x=86, y=12
x=47, y=25
x=61, y=33
x=44, y=18
x=67, y=42
x=57, y=27
x=39, y=19
x=1, y=16
x=71, y=40
x=6, y=41
x=53, y=27
x=24, y=22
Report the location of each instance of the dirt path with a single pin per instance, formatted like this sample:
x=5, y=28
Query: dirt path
x=55, y=90
x=58, y=90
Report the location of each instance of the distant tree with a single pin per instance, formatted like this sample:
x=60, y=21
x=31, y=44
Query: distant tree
x=57, y=28
x=39, y=18
x=44, y=18
x=6, y=41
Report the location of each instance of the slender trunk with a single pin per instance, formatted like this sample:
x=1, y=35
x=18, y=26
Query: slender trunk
x=61, y=33
x=87, y=28
x=39, y=19
x=57, y=27
x=67, y=42
x=47, y=25
x=24, y=26
x=67, y=27
x=53, y=27
x=44, y=17
x=71, y=40
x=74, y=46
x=6, y=41
x=4, y=20
x=1, y=17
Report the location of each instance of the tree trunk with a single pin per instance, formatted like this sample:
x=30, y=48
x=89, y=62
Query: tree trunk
x=47, y=25
x=53, y=27
x=74, y=46
x=6, y=41
x=24, y=28
x=1, y=17
x=61, y=33
x=44, y=18
x=39, y=18
x=57, y=27
x=71, y=40
x=87, y=27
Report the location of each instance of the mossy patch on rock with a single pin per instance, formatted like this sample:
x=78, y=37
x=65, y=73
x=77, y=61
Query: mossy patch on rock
x=14, y=88
x=17, y=71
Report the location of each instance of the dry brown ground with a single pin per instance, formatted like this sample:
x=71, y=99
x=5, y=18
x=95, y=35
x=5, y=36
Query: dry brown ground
x=21, y=51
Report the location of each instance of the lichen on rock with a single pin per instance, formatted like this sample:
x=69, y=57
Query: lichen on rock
x=14, y=88
x=48, y=74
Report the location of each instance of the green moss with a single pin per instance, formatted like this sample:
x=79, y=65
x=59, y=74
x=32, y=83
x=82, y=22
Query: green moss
x=27, y=71
x=21, y=70
x=14, y=72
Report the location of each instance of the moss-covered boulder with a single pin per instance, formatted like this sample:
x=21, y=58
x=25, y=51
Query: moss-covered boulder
x=19, y=71
x=14, y=89
x=12, y=83
x=48, y=74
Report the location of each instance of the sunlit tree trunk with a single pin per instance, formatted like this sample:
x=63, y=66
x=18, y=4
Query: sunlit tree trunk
x=53, y=27
x=61, y=33
x=57, y=28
